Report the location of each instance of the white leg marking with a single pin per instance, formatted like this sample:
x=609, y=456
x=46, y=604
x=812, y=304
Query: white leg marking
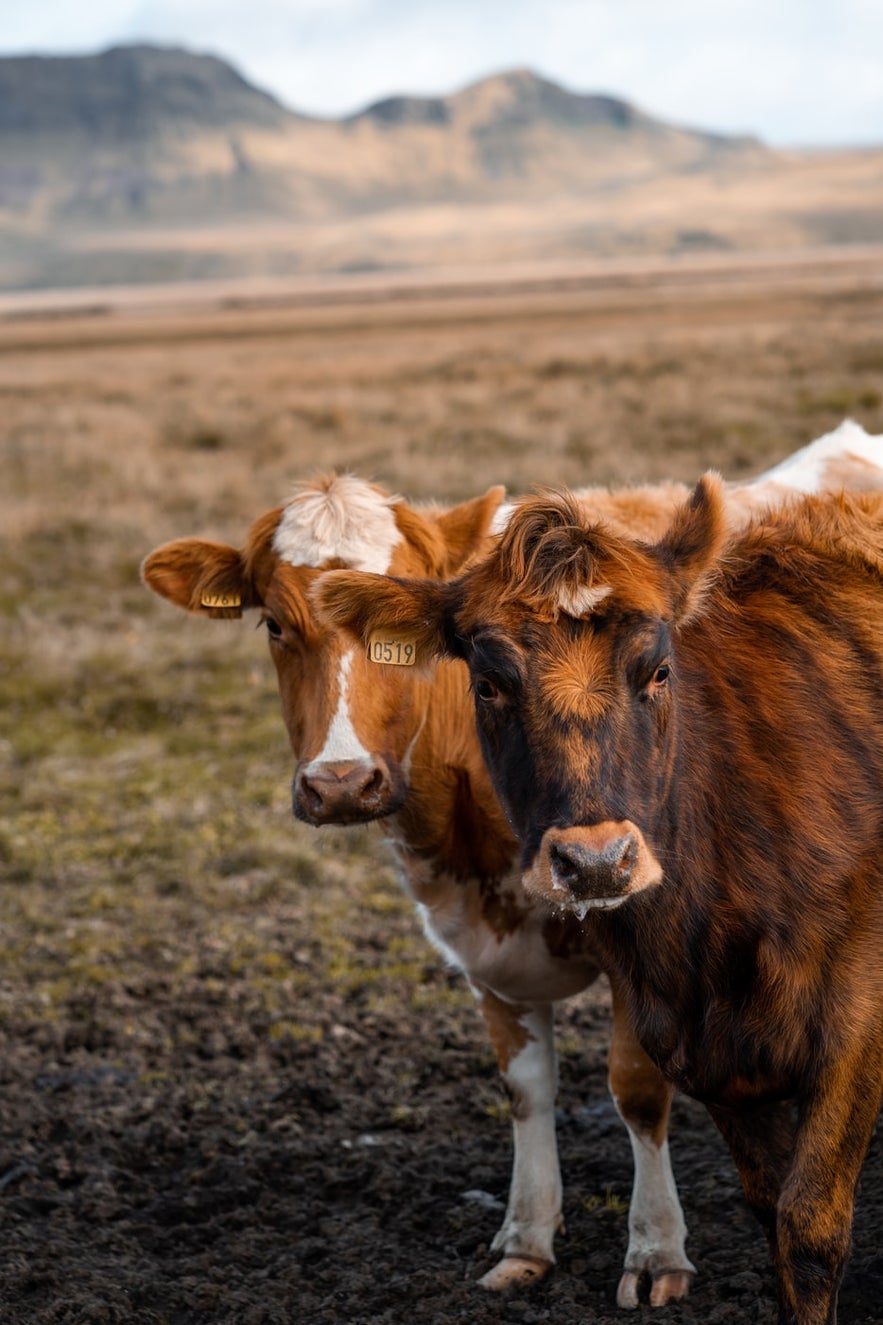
x=657, y=1229
x=533, y=1214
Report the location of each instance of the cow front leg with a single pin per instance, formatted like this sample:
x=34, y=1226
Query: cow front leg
x=815, y=1206
x=657, y=1230
x=522, y=1036
x=761, y=1141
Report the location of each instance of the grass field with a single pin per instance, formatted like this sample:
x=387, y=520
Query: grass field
x=163, y=920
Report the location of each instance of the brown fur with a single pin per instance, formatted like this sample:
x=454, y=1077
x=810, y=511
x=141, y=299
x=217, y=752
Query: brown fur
x=549, y=547
x=504, y=1026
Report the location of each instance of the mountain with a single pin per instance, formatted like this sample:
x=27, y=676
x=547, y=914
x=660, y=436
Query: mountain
x=511, y=100
x=521, y=130
x=152, y=135
x=518, y=100
x=145, y=163
x=128, y=94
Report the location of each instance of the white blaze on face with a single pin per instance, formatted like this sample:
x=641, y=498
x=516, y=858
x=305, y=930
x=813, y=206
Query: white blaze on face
x=342, y=744
x=345, y=520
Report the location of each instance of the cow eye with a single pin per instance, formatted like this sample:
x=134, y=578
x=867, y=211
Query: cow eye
x=274, y=630
x=486, y=691
x=662, y=673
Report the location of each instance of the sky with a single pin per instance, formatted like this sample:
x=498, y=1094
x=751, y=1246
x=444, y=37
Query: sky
x=794, y=72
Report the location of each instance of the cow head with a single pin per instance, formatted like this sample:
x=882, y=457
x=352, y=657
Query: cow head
x=567, y=630
x=352, y=720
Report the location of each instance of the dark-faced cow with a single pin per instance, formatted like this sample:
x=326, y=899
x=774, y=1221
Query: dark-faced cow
x=688, y=737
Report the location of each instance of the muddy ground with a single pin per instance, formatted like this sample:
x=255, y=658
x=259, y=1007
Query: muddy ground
x=203, y=1177
x=236, y=1084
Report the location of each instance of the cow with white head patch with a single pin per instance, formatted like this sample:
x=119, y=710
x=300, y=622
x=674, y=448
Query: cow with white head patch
x=376, y=737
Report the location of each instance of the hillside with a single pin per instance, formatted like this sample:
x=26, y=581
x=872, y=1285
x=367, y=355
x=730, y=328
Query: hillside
x=145, y=163
x=127, y=94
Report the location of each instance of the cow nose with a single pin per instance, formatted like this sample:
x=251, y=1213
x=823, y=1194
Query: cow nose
x=593, y=870
x=343, y=793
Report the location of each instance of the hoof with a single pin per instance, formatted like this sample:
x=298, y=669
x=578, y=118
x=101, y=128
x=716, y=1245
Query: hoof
x=513, y=1272
x=668, y=1287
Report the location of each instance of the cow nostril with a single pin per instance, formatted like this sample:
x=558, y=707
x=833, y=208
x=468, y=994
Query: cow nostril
x=629, y=857
x=373, y=785
x=312, y=798
x=566, y=864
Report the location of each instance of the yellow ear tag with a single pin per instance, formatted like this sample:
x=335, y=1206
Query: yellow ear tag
x=386, y=646
x=222, y=604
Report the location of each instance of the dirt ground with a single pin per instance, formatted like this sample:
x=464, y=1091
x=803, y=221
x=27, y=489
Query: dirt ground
x=236, y=1083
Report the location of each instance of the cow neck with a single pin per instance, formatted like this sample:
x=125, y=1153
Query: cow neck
x=660, y=948
x=452, y=821
x=737, y=891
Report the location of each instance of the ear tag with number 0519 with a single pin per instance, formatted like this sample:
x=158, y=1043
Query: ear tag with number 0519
x=385, y=646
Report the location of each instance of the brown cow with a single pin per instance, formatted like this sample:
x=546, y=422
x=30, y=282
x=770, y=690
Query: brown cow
x=689, y=742
x=398, y=744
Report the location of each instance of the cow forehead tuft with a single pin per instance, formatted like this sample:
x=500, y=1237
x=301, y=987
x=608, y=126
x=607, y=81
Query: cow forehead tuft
x=575, y=677
x=554, y=557
x=343, y=519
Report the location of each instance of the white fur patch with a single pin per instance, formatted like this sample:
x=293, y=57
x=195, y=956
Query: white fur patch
x=533, y=1214
x=502, y=516
x=657, y=1231
x=805, y=470
x=408, y=761
x=342, y=745
x=582, y=600
x=347, y=519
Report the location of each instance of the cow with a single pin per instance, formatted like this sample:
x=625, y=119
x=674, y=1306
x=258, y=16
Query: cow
x=396, y=744
x=687, y=735
x=391, y=744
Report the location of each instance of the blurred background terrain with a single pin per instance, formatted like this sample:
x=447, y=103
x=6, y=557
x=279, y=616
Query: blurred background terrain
x=146, y=163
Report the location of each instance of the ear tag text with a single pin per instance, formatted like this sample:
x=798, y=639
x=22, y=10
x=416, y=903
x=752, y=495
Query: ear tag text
x=222, y=604
x=386, y=646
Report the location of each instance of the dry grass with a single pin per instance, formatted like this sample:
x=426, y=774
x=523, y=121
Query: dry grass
x=143, y=768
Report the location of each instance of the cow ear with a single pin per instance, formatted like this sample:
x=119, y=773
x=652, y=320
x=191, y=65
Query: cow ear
x=198, y=576
x=367, y=606
x=465, y=528
x=691, y=546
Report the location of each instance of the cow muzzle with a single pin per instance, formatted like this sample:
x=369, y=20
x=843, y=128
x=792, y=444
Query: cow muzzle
x=597, y=867
x=349, y=792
